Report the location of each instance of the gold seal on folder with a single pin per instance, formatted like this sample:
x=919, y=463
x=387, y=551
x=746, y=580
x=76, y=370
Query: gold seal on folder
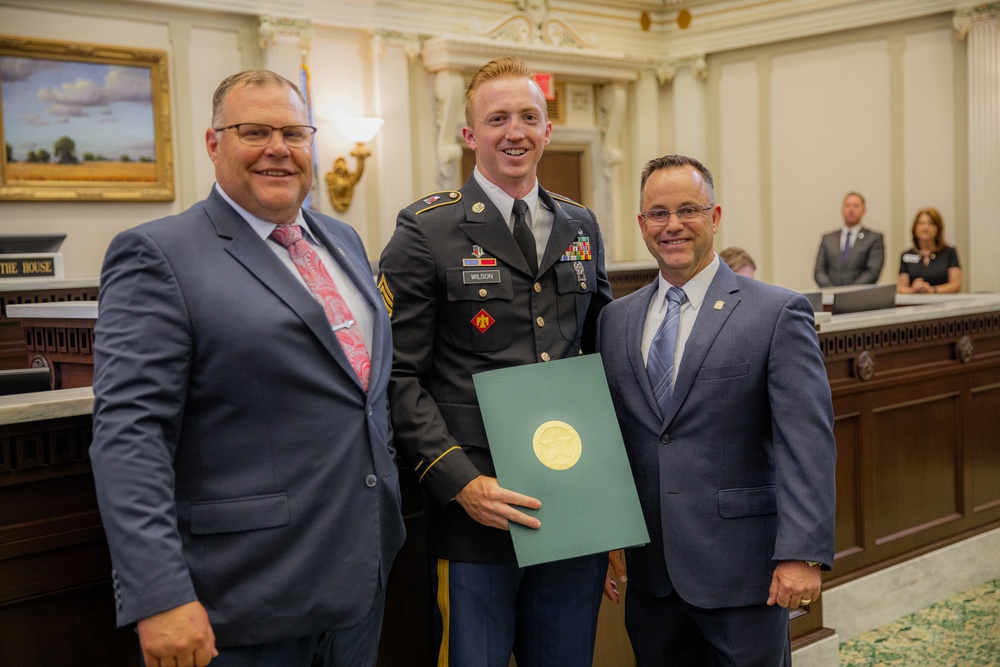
x=557, y=445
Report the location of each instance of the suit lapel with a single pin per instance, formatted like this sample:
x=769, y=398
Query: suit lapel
x=485, y=227
x=252, y=252
x=723, y=292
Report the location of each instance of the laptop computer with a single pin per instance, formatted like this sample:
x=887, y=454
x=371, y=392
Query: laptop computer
x=860, y=300
x=815, y=300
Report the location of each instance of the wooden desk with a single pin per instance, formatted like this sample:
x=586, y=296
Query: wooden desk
x=56, y=601
x=13, y=353
x=916, y=398
x=60, y=337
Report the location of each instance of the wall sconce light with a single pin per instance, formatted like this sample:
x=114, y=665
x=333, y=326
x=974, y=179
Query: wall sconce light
x=341, y=181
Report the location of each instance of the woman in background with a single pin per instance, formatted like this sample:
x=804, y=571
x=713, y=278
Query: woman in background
x=930, y=266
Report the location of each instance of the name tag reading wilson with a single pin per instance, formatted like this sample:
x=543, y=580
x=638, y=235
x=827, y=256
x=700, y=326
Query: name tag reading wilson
x=477, y=277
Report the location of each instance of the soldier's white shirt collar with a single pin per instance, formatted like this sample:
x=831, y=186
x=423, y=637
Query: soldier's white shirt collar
x=505, y=203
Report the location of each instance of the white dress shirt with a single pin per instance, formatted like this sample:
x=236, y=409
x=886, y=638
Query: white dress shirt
x=696, y=288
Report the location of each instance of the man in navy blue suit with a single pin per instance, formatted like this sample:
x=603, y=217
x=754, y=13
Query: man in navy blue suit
x=730, y=441
x=242, y=453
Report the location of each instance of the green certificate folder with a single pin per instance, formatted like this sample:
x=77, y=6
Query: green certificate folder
x=554, y=435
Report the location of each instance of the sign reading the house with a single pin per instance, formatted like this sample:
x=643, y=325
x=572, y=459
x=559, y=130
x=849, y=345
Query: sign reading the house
x=27, y=267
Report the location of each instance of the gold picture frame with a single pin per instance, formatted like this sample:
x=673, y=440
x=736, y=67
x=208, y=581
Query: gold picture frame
x=84, y=122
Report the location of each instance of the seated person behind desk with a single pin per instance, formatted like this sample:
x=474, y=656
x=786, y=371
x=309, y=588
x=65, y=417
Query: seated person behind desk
x=930, y=266
x=739, y=260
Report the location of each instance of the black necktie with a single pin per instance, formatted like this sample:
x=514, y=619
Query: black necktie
x=522, y=234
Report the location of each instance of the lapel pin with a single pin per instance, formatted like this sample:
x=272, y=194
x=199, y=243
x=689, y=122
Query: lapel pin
x=478, y=207
x=719, y=305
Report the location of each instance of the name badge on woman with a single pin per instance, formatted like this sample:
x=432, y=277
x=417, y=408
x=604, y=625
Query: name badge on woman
x=911, y=258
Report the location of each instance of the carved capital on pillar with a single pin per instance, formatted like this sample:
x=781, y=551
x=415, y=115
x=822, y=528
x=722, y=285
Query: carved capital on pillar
x=383, y=39
x=667, y=70
x=271, y=30
x=963, y=20
x=449, y=108
x=647, y=73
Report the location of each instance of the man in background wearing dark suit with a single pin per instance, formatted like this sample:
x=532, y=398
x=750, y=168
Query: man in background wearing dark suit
x=724, y=405
x=853, y=255
x=473, y=285
x=242, y=447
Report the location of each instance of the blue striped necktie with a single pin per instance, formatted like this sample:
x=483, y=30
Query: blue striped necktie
x=660, y=360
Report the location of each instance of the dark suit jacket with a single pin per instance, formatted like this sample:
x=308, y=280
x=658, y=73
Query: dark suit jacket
x=739, y=473
x=864, y=260
x=436, y=302
x=237, y=459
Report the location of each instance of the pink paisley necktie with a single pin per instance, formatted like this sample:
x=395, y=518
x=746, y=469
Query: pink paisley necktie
x=320, y=283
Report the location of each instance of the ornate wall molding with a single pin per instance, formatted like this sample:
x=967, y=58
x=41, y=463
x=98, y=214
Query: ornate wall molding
x=963, y=20
x=532, y=24
x=954, y=341
x=383, y=39
x=666, y=70
x=468, y=53
x=273, y=30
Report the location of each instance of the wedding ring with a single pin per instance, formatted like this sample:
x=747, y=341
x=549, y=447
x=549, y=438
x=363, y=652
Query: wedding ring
x=802, y=602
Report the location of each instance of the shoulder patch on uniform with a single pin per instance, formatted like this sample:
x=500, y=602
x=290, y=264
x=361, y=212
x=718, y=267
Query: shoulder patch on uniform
x=566, y=200
x=387, y=298
x=434, y=200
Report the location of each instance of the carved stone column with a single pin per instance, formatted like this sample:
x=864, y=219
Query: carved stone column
x=980, y=27
x=613, y=102
x=646, y=145
x=449, y=110
x=688, y=76
x=392, y=53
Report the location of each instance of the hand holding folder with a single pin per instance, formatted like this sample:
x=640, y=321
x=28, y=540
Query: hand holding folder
x=492, y=505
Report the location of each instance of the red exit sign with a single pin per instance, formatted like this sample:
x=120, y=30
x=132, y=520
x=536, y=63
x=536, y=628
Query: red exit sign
x=547, y=83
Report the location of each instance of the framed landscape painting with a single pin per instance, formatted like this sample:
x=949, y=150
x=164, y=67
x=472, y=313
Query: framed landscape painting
x=84, y=122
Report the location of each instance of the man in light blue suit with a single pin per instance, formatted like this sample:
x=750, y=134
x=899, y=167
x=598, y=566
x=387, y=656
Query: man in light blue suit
x=244, y=465
x=734, y=459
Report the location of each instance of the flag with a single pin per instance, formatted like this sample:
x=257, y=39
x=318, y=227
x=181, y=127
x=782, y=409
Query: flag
x=314, y=191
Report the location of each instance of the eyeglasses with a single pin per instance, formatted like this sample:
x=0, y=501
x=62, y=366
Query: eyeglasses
x=257, y=134
x=660, y=216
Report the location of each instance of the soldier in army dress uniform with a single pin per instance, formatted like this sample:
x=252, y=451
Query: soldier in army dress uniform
x=468, y=291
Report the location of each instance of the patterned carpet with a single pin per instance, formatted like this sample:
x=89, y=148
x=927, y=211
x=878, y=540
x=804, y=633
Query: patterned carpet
x=961, y=631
